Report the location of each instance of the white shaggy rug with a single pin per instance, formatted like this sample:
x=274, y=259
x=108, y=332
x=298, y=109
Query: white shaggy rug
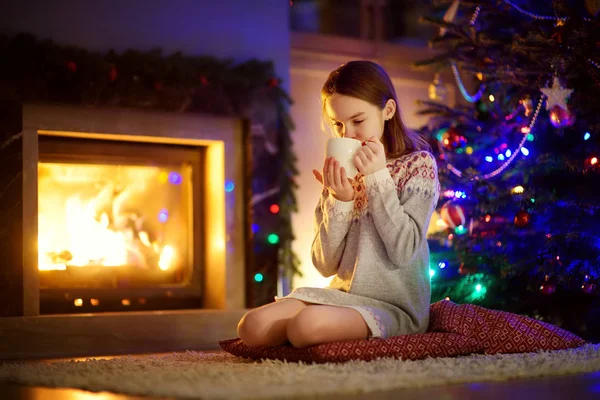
x=223, y=376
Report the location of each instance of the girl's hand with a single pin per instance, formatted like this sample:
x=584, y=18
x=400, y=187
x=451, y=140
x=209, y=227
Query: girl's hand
x=370, y=157
x=334, y=178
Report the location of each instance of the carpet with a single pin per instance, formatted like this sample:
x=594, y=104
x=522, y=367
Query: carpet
x=223, y=376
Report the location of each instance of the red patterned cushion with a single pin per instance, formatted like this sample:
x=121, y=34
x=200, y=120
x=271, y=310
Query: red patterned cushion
x=499, y=331
x=406, y=347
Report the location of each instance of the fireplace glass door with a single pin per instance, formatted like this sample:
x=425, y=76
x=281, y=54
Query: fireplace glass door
x=115, y=217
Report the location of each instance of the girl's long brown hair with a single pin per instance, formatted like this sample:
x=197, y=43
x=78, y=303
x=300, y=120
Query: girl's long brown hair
x=368, y=81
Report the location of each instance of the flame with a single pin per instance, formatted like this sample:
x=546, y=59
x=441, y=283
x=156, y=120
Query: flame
x=75, y=232
x=166, y=258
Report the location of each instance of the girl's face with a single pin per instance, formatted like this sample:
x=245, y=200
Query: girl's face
x=355, y=118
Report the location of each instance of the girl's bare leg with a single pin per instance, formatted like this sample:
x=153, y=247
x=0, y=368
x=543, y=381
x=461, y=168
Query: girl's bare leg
x=317, y=324
x=267, y=325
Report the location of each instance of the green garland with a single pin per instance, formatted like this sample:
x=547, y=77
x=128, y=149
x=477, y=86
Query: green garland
x=53, y=73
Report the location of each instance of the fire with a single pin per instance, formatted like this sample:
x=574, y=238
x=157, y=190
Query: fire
x=84, y=220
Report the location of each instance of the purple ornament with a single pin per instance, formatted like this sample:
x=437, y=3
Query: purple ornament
x=561, y=118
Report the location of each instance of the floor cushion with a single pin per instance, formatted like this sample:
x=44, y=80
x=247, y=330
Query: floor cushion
x=499, y=331
x=454, y=329
x=405, y=347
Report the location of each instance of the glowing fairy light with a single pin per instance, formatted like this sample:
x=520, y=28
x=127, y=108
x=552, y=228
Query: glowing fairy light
x=163, y=215
x=175, y=178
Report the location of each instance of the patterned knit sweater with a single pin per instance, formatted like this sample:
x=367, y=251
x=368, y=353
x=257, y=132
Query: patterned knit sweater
x=375, y=246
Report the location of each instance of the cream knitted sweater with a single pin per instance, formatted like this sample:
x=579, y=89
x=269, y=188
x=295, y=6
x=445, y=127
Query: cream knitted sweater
x=375, y=246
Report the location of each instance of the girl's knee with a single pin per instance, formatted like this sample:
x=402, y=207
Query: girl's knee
x=305, y=328
x=249, y=329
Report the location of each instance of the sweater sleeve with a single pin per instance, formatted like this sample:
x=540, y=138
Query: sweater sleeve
x=401, y=212
x=332, y=222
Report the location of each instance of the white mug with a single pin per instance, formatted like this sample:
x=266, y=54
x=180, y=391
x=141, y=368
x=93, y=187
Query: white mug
x=344, y=150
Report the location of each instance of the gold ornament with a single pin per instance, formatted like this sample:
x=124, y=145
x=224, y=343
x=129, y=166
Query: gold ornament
x=527, y=105
x=437, y=90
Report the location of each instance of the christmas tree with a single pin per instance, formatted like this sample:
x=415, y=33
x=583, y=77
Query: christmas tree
x=518, y=224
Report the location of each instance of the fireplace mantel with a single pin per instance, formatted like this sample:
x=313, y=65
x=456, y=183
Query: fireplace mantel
x=225, y=141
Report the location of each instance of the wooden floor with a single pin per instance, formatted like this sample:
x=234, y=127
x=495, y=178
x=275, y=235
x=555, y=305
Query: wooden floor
x=581, y=386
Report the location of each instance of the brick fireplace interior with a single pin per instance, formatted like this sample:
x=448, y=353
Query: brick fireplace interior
x=124, y=229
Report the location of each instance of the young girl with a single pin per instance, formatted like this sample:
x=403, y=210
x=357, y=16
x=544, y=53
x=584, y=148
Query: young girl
x=370, y=232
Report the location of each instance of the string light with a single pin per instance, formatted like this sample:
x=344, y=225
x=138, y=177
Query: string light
x=229, y=186
x=459, y=194
x=540, y=17
x=586, y=136
x=175, y=178
x=258, y=277
x=431, y=273
x=273, y=238
x=461, y=85
x=491, y=98
x=498, y=170
x=455, y=72
x=514, y=113
x=460, y=230
x=274, y=208
x=442, y=264
x=474, y=16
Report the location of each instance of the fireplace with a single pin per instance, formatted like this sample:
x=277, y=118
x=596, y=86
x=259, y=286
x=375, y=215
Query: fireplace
x=126, y=210
x=119, y=225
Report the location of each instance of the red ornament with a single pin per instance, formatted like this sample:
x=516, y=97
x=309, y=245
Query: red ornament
x=588, y=287
x=203, y=80
x=453, y=214
x=547, y=286
x=561, y=118
x=273, y=82
x=71, y=66
x=452, y=139
x=522, y=219
x=112, y=75
x=591, y=162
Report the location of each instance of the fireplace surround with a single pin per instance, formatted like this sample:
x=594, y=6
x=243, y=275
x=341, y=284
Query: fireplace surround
x=208, y=295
